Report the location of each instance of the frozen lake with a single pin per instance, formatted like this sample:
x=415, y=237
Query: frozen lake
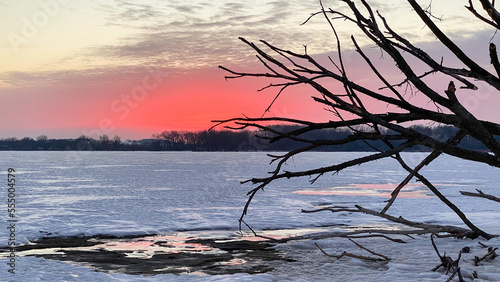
x=130, y=193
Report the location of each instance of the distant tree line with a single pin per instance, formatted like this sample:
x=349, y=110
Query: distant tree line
x=212, y=140
x=82, y=143
x=247, y=140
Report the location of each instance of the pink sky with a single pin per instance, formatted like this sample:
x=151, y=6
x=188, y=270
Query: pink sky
x=132, y=69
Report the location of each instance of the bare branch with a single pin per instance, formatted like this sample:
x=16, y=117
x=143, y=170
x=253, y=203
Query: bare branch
x=489, y=7
x=388, y=133
x=427, y=228
x=453, y=140
x=475, y=13
x=475, y=229
x=334, y=168
x=494, y=58
x=447, y=262
x=346, y=254
x=488, y=77
x=481, y=195
x=378, y=235
x=370, y=251
x=489, y=256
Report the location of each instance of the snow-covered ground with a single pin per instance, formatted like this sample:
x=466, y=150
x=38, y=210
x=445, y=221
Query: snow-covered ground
x=184, y=193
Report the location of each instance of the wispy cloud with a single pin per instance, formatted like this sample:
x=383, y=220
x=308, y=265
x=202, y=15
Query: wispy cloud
x=204, y=33
x=180, y=35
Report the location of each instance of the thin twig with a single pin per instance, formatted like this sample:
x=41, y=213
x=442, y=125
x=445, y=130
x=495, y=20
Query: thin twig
x=346, y=254
x=370, y=251
x=481, y=195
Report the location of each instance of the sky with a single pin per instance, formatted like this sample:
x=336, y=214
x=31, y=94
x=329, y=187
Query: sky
x=134, y=68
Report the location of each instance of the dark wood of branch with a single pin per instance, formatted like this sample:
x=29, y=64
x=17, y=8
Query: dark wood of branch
x=277, y=119
x=427, y=59
x=482, y=244
x=370, y=251
x=453, y=141
x=469, y=121
x=333, y=168
x=379, y=38
x=476, y=231
x=346, y=254
x=473, y=126
x=249, y=227
x=302, y=69
x=479, y=16
x=457, y=231
x=490, y=9
x=494, y=58
x=324, y=72
x=427, y=228
x=481, y=195
x=388, y=117
x=452, y=46
x=489, y=256
x=347, y=234
x=377, y=73
x=455, y=272
x=395, y=240
x=476, y=127
x=447, y=262
x=355, y=100
x=332, y=209
x=456, y=73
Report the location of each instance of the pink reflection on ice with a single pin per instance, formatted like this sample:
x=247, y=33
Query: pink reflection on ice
x=324, y=193
x=378, y=190
x=386, y=186
x=124, y=246
x=180, y=243
x=235, y=261
x=165, y=244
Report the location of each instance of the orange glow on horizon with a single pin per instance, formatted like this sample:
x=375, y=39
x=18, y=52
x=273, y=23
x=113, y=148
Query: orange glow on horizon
x=191, y=102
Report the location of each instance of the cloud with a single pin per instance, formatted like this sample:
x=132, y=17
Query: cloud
x=197, y=35
x=96, y=76
x=179, y=36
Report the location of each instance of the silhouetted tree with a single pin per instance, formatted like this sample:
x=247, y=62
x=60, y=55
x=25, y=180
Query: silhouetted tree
x=84, y=143
x=389, y=133
x=42, y=138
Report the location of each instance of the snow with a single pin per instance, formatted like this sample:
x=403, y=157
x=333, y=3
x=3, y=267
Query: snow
x=409, y=262
x=195, y=194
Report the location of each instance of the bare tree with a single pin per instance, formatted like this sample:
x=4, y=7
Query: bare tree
x=392, y=129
